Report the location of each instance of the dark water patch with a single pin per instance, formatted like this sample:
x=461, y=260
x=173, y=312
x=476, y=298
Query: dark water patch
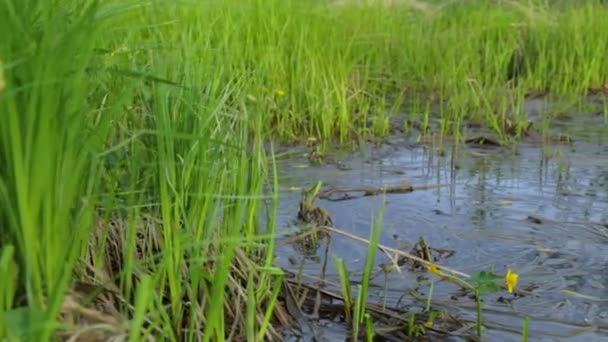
x=484, y=216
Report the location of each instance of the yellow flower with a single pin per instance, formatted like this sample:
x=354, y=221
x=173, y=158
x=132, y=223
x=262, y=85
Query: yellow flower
x=433, y=268
x=280, y=92
x=511, y=278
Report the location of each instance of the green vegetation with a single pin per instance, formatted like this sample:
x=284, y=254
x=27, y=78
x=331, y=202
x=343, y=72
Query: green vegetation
x=134, y=136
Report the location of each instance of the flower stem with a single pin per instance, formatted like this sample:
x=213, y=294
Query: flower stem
x=479, y=317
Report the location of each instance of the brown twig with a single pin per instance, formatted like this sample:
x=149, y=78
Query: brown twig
x=403, y=254
x=374, y=191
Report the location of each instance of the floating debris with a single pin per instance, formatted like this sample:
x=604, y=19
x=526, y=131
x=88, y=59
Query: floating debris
x=316, y=156
x=534, y=219
x=309, y=212
x=345, y=194
x=482, y=141
x=314, y=219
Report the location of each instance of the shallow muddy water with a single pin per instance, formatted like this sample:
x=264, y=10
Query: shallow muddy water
x=541, y=211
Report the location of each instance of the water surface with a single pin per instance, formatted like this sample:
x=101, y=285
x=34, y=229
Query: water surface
x=541, y=211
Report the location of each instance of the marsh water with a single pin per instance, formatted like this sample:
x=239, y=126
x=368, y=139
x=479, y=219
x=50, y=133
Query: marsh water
x=541, y=210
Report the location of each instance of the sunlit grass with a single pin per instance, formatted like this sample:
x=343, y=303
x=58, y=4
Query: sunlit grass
x=319, y=69
x=134, y=136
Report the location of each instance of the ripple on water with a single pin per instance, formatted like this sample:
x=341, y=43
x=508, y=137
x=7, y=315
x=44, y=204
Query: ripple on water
x=542, y=211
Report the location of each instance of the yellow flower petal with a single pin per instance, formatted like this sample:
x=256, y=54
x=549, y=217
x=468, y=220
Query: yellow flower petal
x=433, y=268
x=511, y=278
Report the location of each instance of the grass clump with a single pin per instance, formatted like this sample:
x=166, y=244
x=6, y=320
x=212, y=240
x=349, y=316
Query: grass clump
x=125, y=188
x=135, y=170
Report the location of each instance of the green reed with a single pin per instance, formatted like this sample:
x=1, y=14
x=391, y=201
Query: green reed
x=116, y=111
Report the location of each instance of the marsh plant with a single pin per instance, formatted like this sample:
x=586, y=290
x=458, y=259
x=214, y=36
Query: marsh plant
x=137, y=191
x=481, y=283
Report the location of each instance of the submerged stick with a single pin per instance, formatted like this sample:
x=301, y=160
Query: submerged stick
x=374, y=191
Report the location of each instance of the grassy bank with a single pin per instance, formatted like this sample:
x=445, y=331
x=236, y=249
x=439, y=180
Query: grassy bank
x=133, y=133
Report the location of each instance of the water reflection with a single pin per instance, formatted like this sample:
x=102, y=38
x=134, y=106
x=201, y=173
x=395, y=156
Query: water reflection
x=541, y=211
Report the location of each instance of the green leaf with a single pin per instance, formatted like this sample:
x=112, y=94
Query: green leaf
x=486, y=288
x=22, y=324
x=486, y=282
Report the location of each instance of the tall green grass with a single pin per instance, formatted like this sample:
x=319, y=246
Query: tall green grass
x=341, y=65
x=134, y=134
x=49, y=136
